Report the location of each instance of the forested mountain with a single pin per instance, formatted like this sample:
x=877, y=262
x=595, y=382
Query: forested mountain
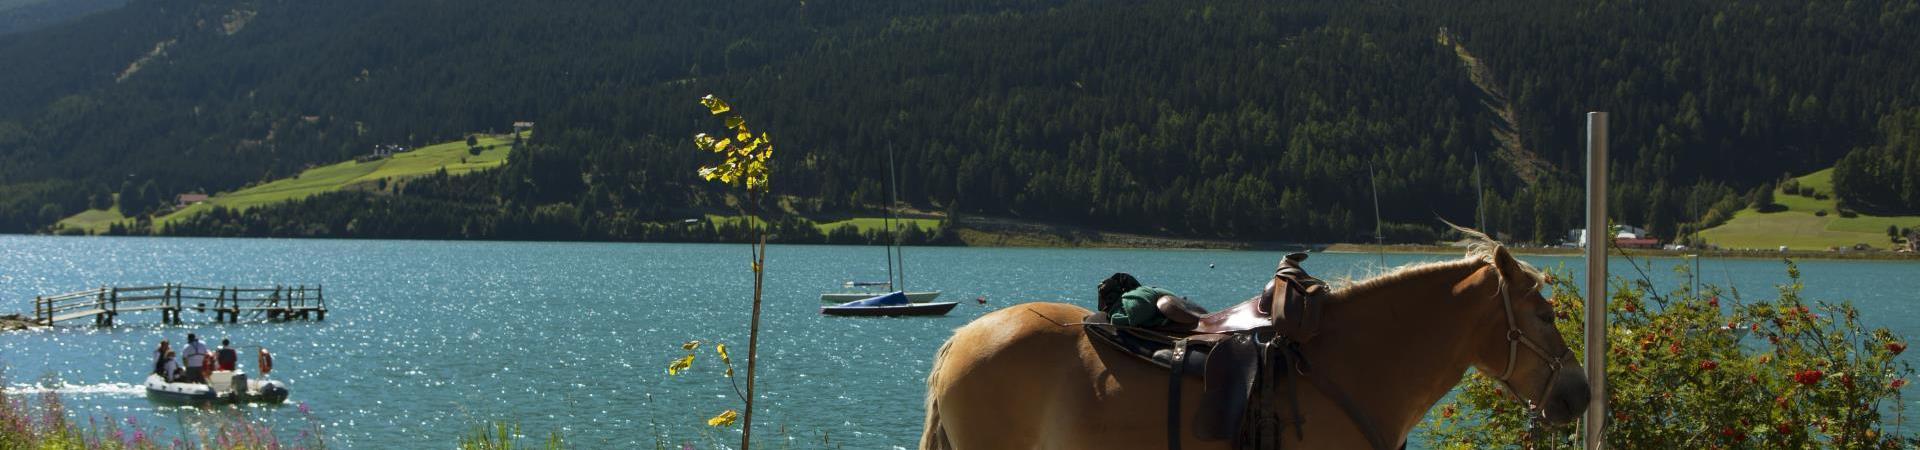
x=27, y=15
x=1234, y=119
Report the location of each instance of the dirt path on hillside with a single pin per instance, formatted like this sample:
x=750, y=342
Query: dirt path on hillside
x=1527, y=164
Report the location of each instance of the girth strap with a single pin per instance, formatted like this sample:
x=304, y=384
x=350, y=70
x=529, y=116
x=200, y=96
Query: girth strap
x=1177, y=372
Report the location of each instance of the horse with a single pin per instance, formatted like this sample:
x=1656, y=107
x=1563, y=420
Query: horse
x=1027, y=377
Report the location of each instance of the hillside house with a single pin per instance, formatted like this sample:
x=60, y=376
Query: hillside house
x=185, y=200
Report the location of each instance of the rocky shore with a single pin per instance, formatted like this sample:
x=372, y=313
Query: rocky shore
x=15, y=322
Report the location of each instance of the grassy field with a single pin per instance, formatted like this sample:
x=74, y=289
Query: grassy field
x=1800, y=228
x=427, y=160
x=864, y=224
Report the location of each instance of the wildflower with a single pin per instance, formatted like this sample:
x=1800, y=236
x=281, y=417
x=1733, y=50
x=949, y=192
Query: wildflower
x=690, y=345
x=726, y=418
x=1808, y=377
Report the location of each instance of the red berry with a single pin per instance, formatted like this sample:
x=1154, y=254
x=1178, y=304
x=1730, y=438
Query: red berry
x=1897, y=383
x=1784, y=428
x=1708, y=365
x=1673, y=348
x=1713, y=301
x=1808, y=377
x=1896, y=347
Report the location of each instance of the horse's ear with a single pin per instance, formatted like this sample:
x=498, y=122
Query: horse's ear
x=1504, y=260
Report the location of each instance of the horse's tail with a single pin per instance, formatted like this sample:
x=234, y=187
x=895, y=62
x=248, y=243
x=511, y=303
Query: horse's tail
x=932, y=435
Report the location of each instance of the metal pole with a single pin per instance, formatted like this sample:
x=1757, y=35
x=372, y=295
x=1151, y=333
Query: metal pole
x=1597, y=241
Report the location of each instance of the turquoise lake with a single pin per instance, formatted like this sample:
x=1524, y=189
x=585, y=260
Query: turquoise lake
x=428, y=339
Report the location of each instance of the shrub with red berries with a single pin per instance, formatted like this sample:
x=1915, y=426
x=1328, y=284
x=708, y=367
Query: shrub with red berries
x=1710, y=369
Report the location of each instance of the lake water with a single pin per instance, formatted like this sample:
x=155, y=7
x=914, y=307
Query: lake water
x=428, y=339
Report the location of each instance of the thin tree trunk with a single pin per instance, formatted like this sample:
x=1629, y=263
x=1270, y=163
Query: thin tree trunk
x=753, y=341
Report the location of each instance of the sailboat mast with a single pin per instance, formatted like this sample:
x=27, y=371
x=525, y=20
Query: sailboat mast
x=1480, y=196
x=893, y=198
x=886, y=223
x=1379, y=240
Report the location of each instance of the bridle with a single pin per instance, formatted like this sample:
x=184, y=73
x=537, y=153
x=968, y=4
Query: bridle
x=1516, y=337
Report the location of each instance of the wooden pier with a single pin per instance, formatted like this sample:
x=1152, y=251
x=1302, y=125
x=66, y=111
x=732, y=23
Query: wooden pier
x=228, y=304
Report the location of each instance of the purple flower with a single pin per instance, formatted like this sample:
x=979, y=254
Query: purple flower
x=139, y=436
x=304, y=409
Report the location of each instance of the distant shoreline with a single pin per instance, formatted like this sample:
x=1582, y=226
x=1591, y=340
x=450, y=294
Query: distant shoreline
x=1876, y=255
x=1014, y=234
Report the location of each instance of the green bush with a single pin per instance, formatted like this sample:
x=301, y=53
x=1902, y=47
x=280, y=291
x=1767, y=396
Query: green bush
x=1700, y=370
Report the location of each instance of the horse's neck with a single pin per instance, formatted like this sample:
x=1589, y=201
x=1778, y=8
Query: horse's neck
x=1398, y=348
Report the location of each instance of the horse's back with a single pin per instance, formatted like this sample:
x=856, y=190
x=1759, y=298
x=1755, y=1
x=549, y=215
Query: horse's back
x=1026, y=377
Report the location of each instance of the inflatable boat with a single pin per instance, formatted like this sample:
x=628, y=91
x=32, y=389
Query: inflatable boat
x=221, y=387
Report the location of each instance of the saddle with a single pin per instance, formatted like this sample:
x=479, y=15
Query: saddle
x=1240, y=354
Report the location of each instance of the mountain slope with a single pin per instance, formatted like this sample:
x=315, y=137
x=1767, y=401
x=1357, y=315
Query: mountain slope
x=1232, y=119
x=28, y=15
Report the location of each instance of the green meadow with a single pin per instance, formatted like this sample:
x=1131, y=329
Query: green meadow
x=1800, y=227
x=863, y=224
x=349, y=175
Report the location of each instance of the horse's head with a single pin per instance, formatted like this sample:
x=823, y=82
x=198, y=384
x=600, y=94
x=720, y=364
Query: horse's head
x=1520, y=347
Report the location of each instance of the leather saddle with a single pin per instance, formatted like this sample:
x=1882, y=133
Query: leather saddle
x=1238, y=353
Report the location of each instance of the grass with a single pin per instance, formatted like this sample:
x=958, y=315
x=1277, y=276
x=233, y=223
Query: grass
x=865, y=224
x=1799, y=228
x=93, y=219
x=349, y=175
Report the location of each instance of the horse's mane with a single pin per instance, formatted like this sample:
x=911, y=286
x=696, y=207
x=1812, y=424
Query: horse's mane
x=1480, y=251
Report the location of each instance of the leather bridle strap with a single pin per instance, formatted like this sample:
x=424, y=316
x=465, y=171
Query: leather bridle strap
x=1516, y=338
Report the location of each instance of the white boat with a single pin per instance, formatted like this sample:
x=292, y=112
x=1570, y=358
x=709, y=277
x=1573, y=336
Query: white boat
x=862, y=290
x=221, y=387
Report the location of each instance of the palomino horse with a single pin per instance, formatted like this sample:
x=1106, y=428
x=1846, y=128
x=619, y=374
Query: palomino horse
x=1027, y=377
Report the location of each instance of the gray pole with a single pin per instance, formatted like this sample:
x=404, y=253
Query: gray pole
x=1597, y=241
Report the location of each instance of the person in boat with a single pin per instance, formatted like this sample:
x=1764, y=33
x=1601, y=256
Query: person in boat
x=168, y=368
x=226, y=357
x=196, y=358
x=160, y=356
x=1128, y=303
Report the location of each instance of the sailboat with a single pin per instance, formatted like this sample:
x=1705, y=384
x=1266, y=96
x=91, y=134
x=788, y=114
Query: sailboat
x=896, y=280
